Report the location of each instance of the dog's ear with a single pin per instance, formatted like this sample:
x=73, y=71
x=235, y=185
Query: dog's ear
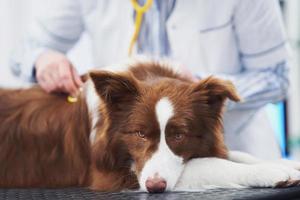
x=215, y=91
x=115, y=89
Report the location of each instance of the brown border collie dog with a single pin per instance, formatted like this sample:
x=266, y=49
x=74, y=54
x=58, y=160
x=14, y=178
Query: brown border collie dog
x=145, y=128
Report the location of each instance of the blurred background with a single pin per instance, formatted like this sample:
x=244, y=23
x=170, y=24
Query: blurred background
x=16, y=16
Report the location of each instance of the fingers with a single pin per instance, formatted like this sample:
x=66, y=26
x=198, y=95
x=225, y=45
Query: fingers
x=46, y=81
x=66, y=79
x=55, y=73
x=76, y=77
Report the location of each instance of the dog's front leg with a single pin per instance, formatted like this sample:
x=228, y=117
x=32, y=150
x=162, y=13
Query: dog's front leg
x=202, y=173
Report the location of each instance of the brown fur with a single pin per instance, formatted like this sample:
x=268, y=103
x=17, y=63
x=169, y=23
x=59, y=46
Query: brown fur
x=45, y=140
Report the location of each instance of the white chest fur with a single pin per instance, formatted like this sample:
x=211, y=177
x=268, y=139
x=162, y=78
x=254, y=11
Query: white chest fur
x=93, y=103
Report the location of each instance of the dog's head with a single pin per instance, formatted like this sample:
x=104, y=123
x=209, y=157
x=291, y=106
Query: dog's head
x=152, y=127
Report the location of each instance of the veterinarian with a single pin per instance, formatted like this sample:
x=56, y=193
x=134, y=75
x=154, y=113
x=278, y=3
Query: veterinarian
x=242, y=41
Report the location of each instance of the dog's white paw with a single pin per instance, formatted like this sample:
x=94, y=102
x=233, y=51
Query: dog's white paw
x=273, y=175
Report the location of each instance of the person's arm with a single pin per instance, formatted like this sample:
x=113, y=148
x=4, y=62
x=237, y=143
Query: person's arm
x=260, y=86
x=41, y=56
x=264, y=54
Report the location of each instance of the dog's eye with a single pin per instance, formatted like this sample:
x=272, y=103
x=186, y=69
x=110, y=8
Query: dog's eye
x=141, y=134
x=179, y=136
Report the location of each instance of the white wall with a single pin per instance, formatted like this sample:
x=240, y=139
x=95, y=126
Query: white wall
x=292, y=17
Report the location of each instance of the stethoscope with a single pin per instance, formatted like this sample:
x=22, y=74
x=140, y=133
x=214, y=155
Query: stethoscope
x=140, y=11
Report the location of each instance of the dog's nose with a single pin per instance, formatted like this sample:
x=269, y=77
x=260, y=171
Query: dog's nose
x=156, y=185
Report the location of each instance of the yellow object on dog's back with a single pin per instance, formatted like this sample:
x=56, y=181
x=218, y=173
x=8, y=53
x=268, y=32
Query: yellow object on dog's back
x=71, y=99
x=74, y=99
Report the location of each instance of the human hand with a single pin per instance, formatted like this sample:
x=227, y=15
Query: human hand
x=55, y=73
x=186, y=73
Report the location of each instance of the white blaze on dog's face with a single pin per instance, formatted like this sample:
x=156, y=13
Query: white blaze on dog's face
x=152, y=125
x=163, y=164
